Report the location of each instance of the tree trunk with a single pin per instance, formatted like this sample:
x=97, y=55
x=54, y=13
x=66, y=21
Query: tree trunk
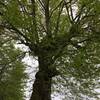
x=42, y=85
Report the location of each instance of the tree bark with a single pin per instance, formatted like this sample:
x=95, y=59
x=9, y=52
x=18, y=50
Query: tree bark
x=42, y=85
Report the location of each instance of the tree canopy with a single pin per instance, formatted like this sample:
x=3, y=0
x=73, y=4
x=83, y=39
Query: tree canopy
x=12, y=70
x=64, y=35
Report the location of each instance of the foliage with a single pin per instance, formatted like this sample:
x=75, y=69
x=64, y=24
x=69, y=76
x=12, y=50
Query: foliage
x=12, y=71
x=80, y=73
x=65, y=33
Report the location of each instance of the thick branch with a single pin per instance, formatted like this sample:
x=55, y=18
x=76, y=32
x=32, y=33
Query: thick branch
x=34, y=20
x=47, y=17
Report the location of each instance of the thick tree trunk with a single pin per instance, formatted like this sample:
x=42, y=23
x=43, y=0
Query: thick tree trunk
x=41, y=87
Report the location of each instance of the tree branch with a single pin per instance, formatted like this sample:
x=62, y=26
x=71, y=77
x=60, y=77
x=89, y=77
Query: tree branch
x=34, y=21
x=47, y=17
x=12, y=27
x=58, y=19
x=41, y=3
x=53, y=10
x=68, y=12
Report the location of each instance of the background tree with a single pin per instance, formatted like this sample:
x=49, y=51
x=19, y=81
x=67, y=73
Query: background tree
x=64, y=35
x=12, y=70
